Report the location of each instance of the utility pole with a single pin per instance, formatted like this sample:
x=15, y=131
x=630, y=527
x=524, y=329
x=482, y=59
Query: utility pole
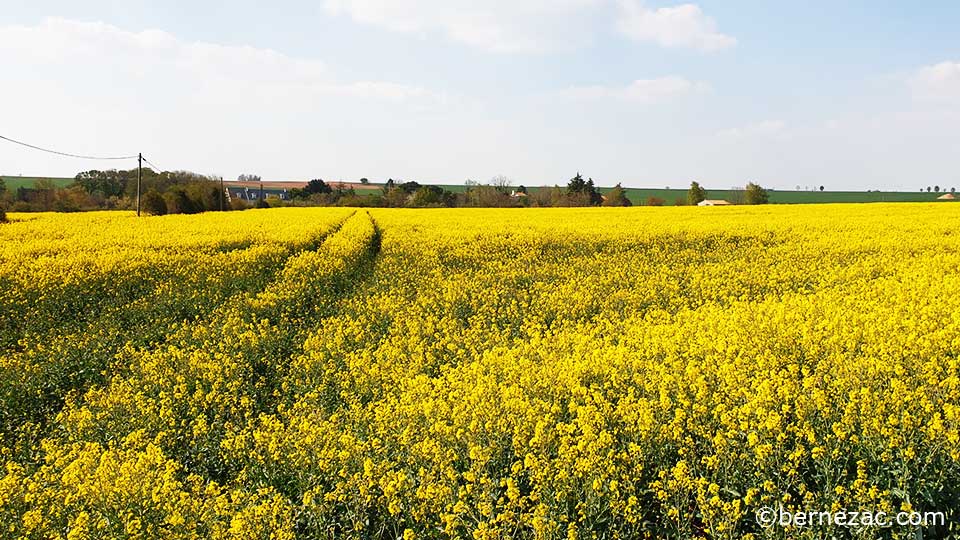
x=139, y=177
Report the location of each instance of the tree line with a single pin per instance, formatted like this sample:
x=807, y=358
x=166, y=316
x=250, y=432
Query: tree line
x=497, y=193
x=184, y=192
x=163, y=192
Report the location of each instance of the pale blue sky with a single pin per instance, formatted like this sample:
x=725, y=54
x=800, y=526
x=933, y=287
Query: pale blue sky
x=851, y=95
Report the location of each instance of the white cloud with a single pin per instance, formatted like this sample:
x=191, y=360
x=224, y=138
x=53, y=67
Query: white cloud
x=640, y=91
x=128, y=57
x=766, y=128
x=939, y=82
x=93, y=88
x=683, y=26
x=493, y=25
x=533, y=26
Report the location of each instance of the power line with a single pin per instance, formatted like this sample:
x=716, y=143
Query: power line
x=155, y=168
x=65, y=153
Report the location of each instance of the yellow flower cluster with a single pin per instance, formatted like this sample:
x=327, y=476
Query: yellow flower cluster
x=478, y=373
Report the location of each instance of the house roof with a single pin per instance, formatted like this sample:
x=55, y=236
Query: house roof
x=714, y=202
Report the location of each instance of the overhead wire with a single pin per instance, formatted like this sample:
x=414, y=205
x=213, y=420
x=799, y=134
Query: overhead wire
x=67, y=154
x=154, y=167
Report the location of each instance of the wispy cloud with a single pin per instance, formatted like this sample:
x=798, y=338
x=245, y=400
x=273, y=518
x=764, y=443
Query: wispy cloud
x=766, y=128
x=644, y=91
x=536, y=26
x=503, y=26
x=131, y=56
x=683, y=26
x=938, y=83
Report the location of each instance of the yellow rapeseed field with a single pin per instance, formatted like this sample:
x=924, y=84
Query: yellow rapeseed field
x=473, y=373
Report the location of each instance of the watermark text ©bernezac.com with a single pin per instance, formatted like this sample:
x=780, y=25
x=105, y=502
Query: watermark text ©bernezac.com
x=770, y=516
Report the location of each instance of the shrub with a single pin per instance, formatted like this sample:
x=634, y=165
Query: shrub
x=152, y=203
x=655, y=201
x=756, y=194
x=238, y=204
x=396, y=198
x=178, y=202
x=431, y=196
x=617, y=197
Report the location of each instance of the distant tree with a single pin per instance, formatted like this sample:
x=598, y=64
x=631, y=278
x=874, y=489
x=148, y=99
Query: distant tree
x=617, y=197
x=736, y=195
x=522, y=189
x=426, y=196
x=576, y=184
x=821, y=188
x=583, y=192
x=409, y=187
x=695, y=194
x=248, y=178
x=3, y=206
x=595, y=197
x=364, y=181
x=928, y=189
x=756, y=194
x=680, y=201
x=44, y=193
x=3, y=199
x=432, y=196
x=179, y=202
x=111, y=183
x=72, y=199
x=953, y=190
x=547, y=196
x=388, y=186
x=936, y=189
x=317, y=187
x=396, y=198
x=501, y=183
x=153, y=203
x=655, y=201
x=205, y=195
x=798, y=187
x=487, y=196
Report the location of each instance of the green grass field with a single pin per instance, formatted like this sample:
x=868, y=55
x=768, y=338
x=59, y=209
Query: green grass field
x=14, y=182
x=789, y=197
x=640, y=195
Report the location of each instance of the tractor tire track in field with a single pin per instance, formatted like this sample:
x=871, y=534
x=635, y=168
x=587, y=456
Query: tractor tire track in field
x=37, y=381
x=208, y=380
x=320, y=304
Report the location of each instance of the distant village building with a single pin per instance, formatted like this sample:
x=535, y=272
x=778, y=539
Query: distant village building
x=714, y=202
x=947, y=197
x=252, y=194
